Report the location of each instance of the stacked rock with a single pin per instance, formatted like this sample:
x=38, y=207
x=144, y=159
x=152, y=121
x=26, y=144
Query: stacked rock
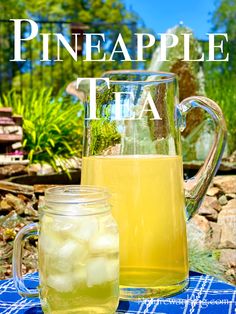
x=216, y=218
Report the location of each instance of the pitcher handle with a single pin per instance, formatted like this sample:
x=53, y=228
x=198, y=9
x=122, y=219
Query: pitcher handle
x=24, y=233
x=196, y=187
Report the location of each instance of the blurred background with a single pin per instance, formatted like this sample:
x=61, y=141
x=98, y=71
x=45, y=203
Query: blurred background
x=31, y=85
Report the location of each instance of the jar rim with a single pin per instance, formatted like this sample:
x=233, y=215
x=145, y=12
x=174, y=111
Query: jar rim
x=76, y=194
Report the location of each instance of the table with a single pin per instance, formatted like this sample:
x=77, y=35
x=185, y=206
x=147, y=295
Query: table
x=205, y=295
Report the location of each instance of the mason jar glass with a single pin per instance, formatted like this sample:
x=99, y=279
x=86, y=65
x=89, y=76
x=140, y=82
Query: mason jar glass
x=78, y=252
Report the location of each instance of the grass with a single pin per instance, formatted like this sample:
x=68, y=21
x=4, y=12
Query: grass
x=52, y=126
x=221, y=88
x=203, y=259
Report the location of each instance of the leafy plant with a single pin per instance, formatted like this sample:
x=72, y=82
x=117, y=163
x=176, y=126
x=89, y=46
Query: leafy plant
x=96, y=16
x=104, y=135
x=52, y=126
x=103, y=132
x=203, y=259
x=221, y=88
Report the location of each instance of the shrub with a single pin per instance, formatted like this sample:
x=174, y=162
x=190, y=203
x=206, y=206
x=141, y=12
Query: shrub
x=52, y=125
x=221, y=88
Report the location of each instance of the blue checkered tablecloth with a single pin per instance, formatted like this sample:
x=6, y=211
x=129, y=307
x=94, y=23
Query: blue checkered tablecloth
x=205, y=294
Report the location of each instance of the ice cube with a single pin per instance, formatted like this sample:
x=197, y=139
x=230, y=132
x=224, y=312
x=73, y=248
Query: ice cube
x=108, y=224
x=81, y=253
x=101, y=270
x=112, y=266
x=104, y=243
x=87, y=227
x=68, y=257
x=65, y=225
x=61, y=265
x=47, y=222
x=96, y=271
x=79, y=274
x=50, y=237
x=49, y=242
x=68, y=250
x=61, y=283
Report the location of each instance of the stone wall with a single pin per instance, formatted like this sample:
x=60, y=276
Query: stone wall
x=214, y=224
x=216, y=219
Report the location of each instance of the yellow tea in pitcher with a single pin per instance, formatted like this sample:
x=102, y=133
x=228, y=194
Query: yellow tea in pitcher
x=148, y=204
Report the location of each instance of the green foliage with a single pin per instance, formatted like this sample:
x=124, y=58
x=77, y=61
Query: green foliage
x=12, y=9
x=221, y=88
x=103, y=132
x=57, y=74
x=224, y=17
x=223, y=20
x=100, y=16
x=52, y=126
x=220, y=76
x=205, y=261
x=103, y=135
x=201, y=258
x=84, y=11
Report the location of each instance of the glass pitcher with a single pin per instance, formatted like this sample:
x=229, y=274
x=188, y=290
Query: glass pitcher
x=133, y=147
